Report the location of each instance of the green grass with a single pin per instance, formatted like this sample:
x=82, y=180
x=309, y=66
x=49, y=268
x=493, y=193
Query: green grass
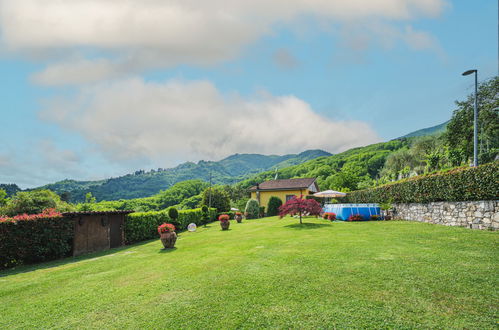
x=270, y=273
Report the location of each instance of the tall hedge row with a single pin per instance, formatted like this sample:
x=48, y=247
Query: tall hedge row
x=461, y=184
x=29, y=241
x=141, y=226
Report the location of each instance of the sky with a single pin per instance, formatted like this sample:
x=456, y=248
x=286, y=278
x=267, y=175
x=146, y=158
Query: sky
x=91, y=89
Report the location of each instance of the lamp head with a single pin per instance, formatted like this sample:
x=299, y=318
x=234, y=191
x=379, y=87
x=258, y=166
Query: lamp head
x=468, y=72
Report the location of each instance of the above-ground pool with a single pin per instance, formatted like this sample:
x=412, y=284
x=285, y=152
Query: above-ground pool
x=343, y=211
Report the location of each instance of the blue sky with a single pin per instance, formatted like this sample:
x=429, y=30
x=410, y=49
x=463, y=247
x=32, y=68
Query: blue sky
x=120, y=86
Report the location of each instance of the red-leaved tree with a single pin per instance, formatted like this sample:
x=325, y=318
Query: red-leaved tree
x=301, y=207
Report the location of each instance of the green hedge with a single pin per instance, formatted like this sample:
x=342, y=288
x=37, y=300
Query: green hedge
x=141, y=226
x=460, y=184
x=29, y=241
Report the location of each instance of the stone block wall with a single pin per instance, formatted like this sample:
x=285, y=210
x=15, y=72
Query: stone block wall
x=475, y=214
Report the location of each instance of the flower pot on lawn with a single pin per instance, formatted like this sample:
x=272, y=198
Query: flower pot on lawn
x=167, y=235
x=238, y=217
x=224, y=221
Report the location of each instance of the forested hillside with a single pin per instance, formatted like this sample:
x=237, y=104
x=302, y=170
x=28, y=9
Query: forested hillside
x=143, y=184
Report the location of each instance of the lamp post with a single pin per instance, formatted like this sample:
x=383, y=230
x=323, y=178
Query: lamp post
x=475, y=118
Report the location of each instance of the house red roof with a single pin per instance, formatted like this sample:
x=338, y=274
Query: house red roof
x=285, y=184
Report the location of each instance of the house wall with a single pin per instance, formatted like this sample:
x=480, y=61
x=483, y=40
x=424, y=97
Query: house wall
x=265, y=195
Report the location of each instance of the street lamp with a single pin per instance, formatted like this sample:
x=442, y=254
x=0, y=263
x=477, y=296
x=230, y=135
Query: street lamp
x=475, y=117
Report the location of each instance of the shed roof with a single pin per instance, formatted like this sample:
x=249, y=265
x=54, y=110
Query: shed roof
x=75, y=214
x=285, y=184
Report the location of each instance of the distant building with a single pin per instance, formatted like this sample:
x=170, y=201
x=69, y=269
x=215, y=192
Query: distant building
x=284, y=189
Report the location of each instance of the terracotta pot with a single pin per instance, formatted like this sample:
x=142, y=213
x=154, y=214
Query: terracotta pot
x=239, y=218
x=225, y=225
x=168, y=239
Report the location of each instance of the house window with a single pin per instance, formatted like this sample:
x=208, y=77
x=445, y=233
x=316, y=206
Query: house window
x=288, y=197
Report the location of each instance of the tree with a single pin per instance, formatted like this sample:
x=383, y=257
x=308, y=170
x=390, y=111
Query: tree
x=274, y=204
x=33, y=202
x=3, y=197
x=459, y=134
x=301, y=207
x=219, y=198
x=252, y=210
x=89, y=198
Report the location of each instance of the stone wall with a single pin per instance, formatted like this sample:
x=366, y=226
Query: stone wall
x=476, y=215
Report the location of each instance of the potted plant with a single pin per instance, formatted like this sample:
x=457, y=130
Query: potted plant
x=238, y=217
x=224, y=221
x=167, y=234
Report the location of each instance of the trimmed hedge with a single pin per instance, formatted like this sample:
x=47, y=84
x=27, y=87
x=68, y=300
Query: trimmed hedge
x=141, y=226
x=460, y=184
x=30, y=241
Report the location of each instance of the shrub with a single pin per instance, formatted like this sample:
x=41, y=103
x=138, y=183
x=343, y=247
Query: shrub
x=460, y=184
x=252, y=209
x=173, y=213
x=329, y=216
x=375, y=217
x=355, y=217
x=141, y=226
x=261, y=213
x=35, y=238
x=274, y=204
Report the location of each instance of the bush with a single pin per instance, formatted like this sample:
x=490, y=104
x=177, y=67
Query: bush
x=141, y=226
x=329, y=216
x=274, y=204
x=252, y=209
x=173, y=213
x=34, y=202
x=355, y=217
x=460, y=184
x=36, y=239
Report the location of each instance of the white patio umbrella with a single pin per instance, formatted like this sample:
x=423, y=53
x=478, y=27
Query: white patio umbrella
x=329, y=194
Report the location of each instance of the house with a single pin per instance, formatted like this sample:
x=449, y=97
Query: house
x=284, y=189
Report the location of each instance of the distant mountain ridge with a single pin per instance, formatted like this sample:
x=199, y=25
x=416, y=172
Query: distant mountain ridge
x=427, y=131
x=143, y=184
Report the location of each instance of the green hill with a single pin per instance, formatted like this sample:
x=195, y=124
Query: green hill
x=350, y=170
x=143, y=184
x=427, y=131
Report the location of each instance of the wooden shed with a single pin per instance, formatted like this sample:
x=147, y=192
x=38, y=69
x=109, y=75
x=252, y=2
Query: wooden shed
x=97, y=230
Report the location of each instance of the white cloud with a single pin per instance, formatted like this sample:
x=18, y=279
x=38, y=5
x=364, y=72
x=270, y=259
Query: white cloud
x=39, y=163
x=135, y=35
x=132, y=120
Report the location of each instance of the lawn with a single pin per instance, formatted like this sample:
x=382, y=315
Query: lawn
x=270, y=273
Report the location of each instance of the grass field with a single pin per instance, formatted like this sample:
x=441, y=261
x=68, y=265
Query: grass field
x=270, y=273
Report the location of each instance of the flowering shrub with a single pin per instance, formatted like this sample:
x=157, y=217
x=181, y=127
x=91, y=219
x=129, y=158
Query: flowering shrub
x=329, y=216
x=224, y=217
x=375, y=217
x=239, y=213
x=355, y=217
x=165, y=228
x=47, y=213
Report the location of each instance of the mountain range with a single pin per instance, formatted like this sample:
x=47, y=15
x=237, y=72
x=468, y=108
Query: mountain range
x=147, y=183
x=230, y=170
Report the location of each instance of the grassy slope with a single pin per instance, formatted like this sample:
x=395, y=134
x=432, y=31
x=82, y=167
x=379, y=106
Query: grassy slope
x=270, y=272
